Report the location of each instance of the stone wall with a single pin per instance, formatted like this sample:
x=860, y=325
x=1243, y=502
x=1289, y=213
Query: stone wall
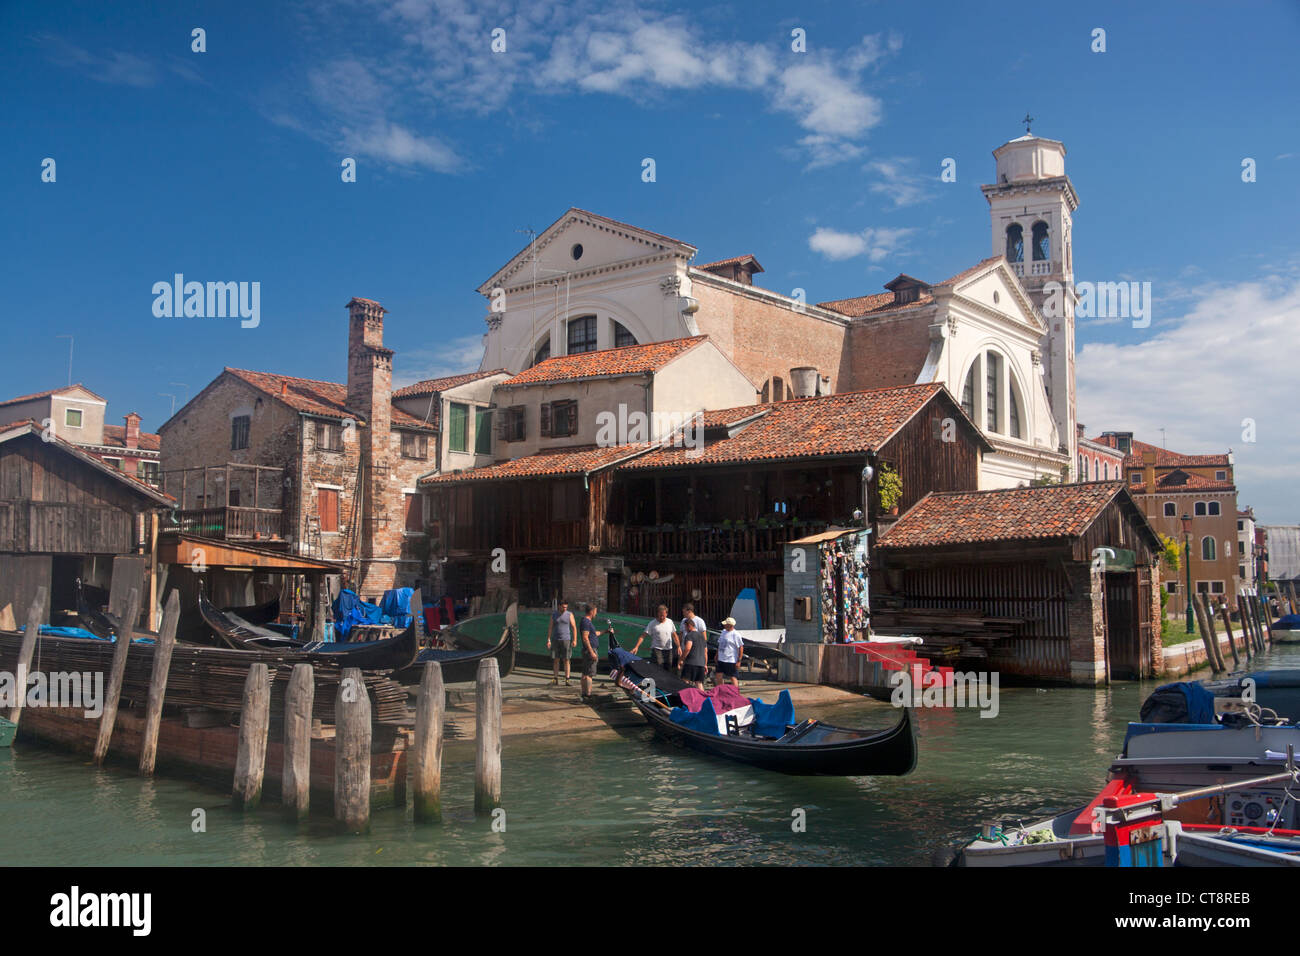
x=1086, y=625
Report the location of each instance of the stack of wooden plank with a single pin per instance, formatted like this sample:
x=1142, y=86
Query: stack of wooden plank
x=203, y=676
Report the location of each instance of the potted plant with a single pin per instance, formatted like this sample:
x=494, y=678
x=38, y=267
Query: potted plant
x=889, y=489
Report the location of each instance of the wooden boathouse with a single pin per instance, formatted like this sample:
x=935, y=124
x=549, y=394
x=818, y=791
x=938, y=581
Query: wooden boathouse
x=64, y=515
x=1057, y=583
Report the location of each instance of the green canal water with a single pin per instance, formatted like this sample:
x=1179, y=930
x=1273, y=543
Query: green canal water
x=627, y=801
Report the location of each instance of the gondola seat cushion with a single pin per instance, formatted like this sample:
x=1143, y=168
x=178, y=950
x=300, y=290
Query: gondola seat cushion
x=771, y=720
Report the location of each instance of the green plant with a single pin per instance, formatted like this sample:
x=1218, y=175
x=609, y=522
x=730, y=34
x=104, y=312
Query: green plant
x=1172, y=554
x=889, y=488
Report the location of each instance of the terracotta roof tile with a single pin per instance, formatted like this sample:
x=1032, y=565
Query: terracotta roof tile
x=116, y=435
x=45, y=394
x=847, y=423
x=734, y=260
x=607, y=363
x=1164, y=457
x=326, y=399
x=1179, y=480
x=432, y=385
x=871, y=304
x=1009, y=514
x=545, y=464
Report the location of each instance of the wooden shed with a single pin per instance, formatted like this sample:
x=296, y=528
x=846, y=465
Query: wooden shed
x=1058, y=583
x=64, y=514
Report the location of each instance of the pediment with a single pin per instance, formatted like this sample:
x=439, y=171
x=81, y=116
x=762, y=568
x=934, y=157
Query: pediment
x=598, y=240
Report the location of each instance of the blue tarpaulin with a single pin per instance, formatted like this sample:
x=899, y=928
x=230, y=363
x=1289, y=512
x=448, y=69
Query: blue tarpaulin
x=350, y=610
x=396, y=607
x=704, y=720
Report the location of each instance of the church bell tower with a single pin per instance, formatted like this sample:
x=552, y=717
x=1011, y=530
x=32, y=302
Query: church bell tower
x=1031, y=206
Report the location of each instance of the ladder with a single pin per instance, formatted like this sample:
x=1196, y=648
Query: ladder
x=313, y=542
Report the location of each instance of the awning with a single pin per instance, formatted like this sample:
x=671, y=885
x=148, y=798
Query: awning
x=191, y=549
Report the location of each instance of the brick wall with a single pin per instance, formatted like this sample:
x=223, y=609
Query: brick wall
x=888, y=351
x=766, y=339
x=1086, y=625
x=586, y=581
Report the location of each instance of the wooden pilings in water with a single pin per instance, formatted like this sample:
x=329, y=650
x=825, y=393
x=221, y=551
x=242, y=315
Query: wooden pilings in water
x=162, y=659
x=1264, y=616
x=1208, y=608
x=1227, y=626
x=296, y=776
x=30, y=635
x=487, y=764
x=352, y=753
x=426, y=766
x=114, y=692
x=254, y=725
x=1208, y=638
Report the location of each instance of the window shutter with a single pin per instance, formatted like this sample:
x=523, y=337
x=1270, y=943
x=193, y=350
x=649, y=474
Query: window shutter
x=545, y=428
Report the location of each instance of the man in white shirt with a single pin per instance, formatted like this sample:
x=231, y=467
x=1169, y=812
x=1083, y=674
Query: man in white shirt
x=688, y=612
x=663, y=638
x=731, y=651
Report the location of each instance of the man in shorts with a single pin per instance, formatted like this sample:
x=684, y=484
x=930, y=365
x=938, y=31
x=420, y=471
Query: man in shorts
x=695, y=653
x=663, y=638
x=688, y=613
x=590, y=644
x=559, y=641
x=731, y=651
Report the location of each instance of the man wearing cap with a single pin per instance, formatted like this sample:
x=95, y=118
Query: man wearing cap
x=731, y=651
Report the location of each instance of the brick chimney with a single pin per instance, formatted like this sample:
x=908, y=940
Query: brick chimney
x=1149, y=469
x=370, y=388
x=132, y=435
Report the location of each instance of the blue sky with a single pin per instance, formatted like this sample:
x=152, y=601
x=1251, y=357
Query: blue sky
x=225, y=165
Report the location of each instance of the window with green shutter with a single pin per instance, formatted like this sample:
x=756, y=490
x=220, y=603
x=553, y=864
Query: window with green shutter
x=483, y=432
x=457, y=437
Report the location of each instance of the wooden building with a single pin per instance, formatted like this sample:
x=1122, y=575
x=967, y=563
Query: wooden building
x=630, y=526
x=1055, y=583
x=65, y=514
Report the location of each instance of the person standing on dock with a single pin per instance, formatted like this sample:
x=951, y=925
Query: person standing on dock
x=590, y=644
x=663, y=638
x=731, y=651
x=702, y=629
x=559, y=640
x=695, y=652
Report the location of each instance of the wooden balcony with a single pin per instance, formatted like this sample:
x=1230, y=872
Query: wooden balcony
x=714, y=543
x=234, y=524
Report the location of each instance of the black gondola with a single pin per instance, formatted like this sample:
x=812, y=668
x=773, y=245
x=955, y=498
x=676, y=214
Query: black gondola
x=102, y=624
x=257, y=614
x=391, y=653
x=458, y=665
x=807, y=748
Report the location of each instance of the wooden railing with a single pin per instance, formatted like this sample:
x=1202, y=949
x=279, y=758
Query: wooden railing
x=714, y=543
x=232, y=524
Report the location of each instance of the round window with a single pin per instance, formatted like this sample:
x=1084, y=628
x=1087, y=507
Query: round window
x=576, y=251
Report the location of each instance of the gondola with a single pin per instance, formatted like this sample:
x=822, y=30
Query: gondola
x=392, y=653
x=103, y=624
x=806, y=748
x=458, y=665
x=258, y=614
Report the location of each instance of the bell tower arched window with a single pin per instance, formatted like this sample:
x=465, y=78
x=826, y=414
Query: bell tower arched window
x=1015, y=243
x=1042, y=245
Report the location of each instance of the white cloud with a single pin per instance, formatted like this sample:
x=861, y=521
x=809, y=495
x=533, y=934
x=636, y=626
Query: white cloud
x=875, y=244
x=899, y=182
x=455, y=357
x=426, y=60
x=1200, y=376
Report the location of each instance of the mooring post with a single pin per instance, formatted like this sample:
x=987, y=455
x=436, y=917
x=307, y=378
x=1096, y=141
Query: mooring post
x=1265, y=617
x=1206, y=640
x=1205, y=607
x=254, y=723
x=352, y=752
x=162, y=660
x=426, y=767
x=1247, y=633
x=296, y=777
x=1227, y=626
x=114, y=692
x=25, y=651
x=487, y=707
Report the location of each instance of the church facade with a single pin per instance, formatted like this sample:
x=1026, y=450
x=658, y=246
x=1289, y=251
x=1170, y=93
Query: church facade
x=988, y=334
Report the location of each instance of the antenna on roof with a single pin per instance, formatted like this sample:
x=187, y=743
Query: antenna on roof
x=69, y=338
x=172, y=397
x=1163, y=443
